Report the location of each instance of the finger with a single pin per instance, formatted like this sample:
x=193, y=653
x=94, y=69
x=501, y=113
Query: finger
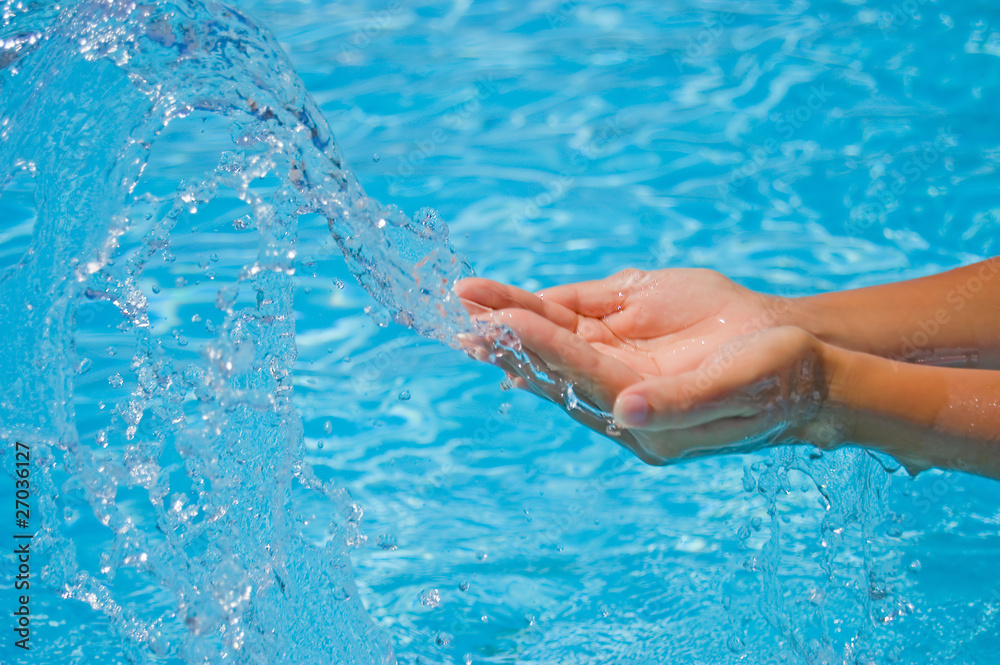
x=640, y=361
x=525, y=373
x=596, y=298
x=487, y=294
x=600, y=376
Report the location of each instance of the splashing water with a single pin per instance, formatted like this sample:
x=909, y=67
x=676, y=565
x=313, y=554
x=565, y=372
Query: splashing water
x=195, y=473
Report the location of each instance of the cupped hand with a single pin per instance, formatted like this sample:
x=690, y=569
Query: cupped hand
x=686, y=360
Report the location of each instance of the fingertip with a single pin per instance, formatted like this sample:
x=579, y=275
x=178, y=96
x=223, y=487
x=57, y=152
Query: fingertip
x=631, y=410
x=463, y=287
x=474, y=346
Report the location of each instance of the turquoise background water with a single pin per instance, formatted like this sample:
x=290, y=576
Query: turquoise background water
x=796, y=147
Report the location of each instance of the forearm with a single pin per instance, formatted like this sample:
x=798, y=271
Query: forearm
x=949, y=318
x=923, y=416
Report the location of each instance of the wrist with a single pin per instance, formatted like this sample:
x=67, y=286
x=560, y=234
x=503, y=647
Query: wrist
x=817, y=315
x=831, y=424
x=883, y=404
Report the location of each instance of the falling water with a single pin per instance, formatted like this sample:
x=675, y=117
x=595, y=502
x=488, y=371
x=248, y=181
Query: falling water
x=193, y=469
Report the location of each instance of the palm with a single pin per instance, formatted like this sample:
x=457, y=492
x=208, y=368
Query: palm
x=666, y=322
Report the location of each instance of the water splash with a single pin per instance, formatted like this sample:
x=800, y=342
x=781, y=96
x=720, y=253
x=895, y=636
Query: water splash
x=188, y=466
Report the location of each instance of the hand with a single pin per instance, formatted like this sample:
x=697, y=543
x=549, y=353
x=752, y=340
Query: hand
x=686, y=360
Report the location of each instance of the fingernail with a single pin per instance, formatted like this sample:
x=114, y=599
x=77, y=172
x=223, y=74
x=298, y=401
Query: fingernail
x=632, y=411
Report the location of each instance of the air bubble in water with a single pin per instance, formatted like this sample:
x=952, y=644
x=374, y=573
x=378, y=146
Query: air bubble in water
x=404, y=396
x=328, y=427
x=116, y=380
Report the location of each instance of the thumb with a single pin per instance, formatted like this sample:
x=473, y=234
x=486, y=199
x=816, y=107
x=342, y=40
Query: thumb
x=734, y=382
x=685, y=400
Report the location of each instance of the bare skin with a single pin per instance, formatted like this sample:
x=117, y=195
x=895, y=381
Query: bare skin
x=690, y=362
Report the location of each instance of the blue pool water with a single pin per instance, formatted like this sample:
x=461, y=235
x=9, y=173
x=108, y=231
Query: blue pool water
x=243, y=453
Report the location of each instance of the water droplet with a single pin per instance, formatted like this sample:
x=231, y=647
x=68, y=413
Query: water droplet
x=376, y=157
x=405, y=395
x=339, y=283
x=463, y=585
x=569, y=398
x=430, y=598
x=481, y=555
x=442, y=639
x=226, y=297
x=340, y=593
x=84, y=366
x=613, y=429
x=116, y=380
x=156, y=288
x=328, y=427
